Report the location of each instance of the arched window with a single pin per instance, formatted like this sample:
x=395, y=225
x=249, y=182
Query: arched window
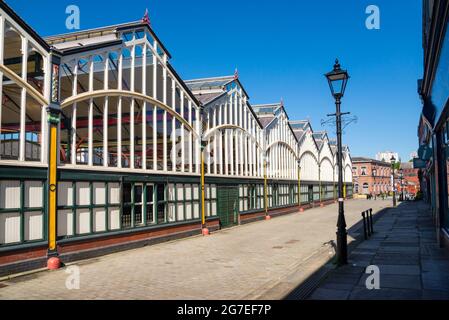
x=365, y=188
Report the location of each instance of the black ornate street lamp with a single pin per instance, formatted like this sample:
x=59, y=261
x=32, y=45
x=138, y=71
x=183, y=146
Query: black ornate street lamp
x=401, y=176
x=338, y=79
x=393, y=163
x=374, y=171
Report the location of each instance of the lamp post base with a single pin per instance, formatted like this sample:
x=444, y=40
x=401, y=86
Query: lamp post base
x=342, y=249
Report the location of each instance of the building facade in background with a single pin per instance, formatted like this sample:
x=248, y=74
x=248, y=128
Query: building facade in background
x=385, y=156
x=433, y=127
x=101, y=144
x=371, y=177
x=409, y=184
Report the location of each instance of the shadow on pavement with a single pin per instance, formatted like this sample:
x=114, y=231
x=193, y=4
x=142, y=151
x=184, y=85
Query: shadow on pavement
x=331, y=283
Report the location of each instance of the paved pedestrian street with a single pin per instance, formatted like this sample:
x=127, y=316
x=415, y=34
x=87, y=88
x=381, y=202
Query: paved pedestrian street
x=245, y=262
x=404, y=248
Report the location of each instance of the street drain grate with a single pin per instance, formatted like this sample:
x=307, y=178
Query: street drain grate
x=304, y=290
x=278, y=247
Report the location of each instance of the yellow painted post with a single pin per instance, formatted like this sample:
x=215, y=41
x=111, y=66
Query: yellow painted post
x=204, y=120
x=344, y=191
x=53, y=112
x=299, y=185
x=321, y=191
x=333, y=180
x=52, y=170
x=319, y=184
x=335, y=194
x=265, y=187
x=203, y=197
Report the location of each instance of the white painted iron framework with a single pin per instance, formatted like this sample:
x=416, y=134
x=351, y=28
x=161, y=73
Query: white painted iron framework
x=129, y=137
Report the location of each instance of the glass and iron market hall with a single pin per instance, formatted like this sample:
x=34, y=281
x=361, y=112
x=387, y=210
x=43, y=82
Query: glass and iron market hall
x=101, y=146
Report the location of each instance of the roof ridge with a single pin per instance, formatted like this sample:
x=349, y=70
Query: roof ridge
x=267, y=105
x=209, y=79
x=71, y=34
x=299, y=121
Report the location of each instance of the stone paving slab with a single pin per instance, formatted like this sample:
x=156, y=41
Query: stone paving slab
x=389, y=243
x=398, y=260
x=350, y=269
x=411, y=264
x=395, y=281
x=435, y=295
x=330, y=294
x=361, y=263
x=435, y=266
x=336, y=285
x=370, y=245
x=362, y=254
x=435, y=285
x=352, y=279
x=362, y=293
x=411, y=270
x=399, y=250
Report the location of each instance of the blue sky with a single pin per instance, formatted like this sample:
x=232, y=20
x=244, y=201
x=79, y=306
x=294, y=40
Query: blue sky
x=282, y=49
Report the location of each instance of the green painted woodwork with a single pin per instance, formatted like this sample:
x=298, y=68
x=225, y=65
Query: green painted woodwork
x=227, y=205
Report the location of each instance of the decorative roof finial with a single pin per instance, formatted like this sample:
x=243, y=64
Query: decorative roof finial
x=146, y=18
x=236, y=74
x=282, y=102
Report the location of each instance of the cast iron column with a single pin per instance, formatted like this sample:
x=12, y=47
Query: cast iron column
x=342, y=245
x=394, y=188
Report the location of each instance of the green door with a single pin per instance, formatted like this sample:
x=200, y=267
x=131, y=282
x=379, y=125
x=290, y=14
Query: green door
x=310, y=194
x=227, y=198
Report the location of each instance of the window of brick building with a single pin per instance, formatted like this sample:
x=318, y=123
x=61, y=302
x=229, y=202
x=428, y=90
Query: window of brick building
x=363, y=171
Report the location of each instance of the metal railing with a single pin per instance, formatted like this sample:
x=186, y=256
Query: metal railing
x=368, y=227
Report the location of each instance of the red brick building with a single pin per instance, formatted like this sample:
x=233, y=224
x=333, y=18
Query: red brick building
x=410, y=179
x=371, y=176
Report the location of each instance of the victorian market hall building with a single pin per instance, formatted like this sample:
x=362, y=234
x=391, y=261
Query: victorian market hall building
x=104, y=147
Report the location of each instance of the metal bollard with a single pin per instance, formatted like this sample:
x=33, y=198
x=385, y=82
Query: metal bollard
x=371, y=220
x=364, y=226
x=368, y=223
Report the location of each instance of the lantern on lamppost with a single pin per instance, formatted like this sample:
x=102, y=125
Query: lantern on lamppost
x=393, y=164
x=338, y=79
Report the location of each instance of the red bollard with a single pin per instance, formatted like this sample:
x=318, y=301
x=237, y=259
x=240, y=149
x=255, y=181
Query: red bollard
x=53, y=263
x=205, y=232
